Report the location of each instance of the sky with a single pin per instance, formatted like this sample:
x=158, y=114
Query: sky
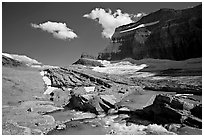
x=58, y=33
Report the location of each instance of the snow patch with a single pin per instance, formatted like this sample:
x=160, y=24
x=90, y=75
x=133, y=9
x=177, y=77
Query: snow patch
x=28, y=61
x=140, y=26
x=89, y=89
x=142, y=74
x=36, y=66
x=22, y=58
x=49, y=90
x=7, y=55
x=47, y=80
x=104, y=62
x=42, y=73
x=184, y=95
x=123, y=67
x=25, y=59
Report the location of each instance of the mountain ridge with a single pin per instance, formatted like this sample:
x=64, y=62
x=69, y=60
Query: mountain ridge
x=22, y=58
x=163, y=34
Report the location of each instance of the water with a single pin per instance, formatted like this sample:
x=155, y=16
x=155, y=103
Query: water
x=81, y=127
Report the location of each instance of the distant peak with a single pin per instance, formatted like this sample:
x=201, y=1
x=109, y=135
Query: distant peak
x=22, y=58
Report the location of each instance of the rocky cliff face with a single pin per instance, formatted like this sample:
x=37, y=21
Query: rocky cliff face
x=164, y=34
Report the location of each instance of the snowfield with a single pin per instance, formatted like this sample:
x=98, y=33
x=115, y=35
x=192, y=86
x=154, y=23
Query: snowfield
x=140, y=26
x=123, y=67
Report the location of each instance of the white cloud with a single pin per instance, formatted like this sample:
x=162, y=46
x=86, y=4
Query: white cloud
x=109, y=20
x=58, y=29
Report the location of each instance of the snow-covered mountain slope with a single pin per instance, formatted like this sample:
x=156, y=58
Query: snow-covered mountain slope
x=27, y=61
x=22, y=58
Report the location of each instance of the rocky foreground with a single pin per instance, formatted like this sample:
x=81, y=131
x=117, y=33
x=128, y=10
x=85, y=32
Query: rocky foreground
x=85, y=99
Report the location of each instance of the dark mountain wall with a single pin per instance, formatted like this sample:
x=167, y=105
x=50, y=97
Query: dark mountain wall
x=164, y=34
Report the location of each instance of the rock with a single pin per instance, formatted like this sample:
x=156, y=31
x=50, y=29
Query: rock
x=29, y=109
x=61, y=126
x=91, y=102
x=60, y=97
x=88, y=62
x=172, y=127
x=73, y=77
x=78, y=102
x=124, y=109
x=186, y=130
x=193, y=122
x=89, y=89
x=164, y=34
x=112, y=111
x=171, y=109
x=197, y=111
x=109, y=99
x=180, y=85
x=174, y=102
x=88, y=56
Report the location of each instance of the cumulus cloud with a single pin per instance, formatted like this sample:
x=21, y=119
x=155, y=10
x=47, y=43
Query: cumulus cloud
x=109, y=20
x=57, y=29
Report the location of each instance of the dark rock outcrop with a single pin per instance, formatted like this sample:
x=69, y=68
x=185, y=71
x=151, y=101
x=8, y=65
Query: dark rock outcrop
x=88, y=62
x=91, y=102
x=88, y=56
x=164, y=34
x=172, y=109
x=197, y=111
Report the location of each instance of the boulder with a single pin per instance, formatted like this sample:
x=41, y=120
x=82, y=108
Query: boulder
x=193, y=122
x=172, y=109
x=91, y=102
x=197, y=111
